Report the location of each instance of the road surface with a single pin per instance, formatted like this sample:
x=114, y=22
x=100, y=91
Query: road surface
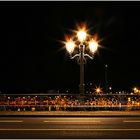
x=69, y=127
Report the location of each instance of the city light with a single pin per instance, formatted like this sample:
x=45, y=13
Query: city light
x=129, y=99
x=136, y=90
x=98, y=90
x=110, y=88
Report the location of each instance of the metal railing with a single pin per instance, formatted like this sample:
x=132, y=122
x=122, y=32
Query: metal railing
x=67, y=108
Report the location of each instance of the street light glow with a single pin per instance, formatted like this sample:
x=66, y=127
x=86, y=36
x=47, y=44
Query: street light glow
x=70, y=46
x=93, y=45
x=81, y=35
x=77, y=49
x=98, y=90
x=135, y=89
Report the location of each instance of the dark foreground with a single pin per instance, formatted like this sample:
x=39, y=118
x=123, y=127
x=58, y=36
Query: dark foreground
x=70, y=127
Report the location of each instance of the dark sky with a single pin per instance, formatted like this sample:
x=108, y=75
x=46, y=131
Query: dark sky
x=33, y=59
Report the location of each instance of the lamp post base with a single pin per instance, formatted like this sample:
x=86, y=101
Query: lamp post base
x=81, y=102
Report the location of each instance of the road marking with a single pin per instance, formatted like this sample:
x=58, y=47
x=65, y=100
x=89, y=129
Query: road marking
x=132, y=121
x=85, y=118
x=69, y=129
x=72, y=121
x=10, y=121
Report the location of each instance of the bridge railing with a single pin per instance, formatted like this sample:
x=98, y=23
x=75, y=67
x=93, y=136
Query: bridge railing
x=67, y=108
x=69, y=102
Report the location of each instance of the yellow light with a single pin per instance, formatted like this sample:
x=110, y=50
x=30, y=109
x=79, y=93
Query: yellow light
x=135, y=89
x=133, y=102
x=98, y=90
x=129, y=99
x=81, y=35
x=70, y=46
x=93, y=45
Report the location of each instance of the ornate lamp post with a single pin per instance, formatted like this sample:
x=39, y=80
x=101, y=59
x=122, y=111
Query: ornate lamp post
x=81, y=46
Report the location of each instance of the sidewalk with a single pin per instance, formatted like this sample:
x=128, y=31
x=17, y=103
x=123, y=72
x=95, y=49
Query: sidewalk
x=71, y=113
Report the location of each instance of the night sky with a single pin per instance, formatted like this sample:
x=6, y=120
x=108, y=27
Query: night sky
x=33, y=59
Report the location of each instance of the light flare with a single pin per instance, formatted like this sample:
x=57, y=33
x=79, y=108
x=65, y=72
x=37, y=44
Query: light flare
x=93, y=46
x=70, y=46
x=81, y=35
x=82, y=32
x=134, y=88
x=98, y=90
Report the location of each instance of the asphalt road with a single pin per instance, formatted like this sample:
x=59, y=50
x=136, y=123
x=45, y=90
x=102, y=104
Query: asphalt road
x=69, y=127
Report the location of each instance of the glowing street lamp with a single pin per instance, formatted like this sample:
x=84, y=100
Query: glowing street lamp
x=81, y=35
x=93, y=46
x=98, y=90
x=70, y=46
x=81, y=41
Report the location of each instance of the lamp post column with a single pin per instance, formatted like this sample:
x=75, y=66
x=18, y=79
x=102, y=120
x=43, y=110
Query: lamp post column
x=81, y=48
